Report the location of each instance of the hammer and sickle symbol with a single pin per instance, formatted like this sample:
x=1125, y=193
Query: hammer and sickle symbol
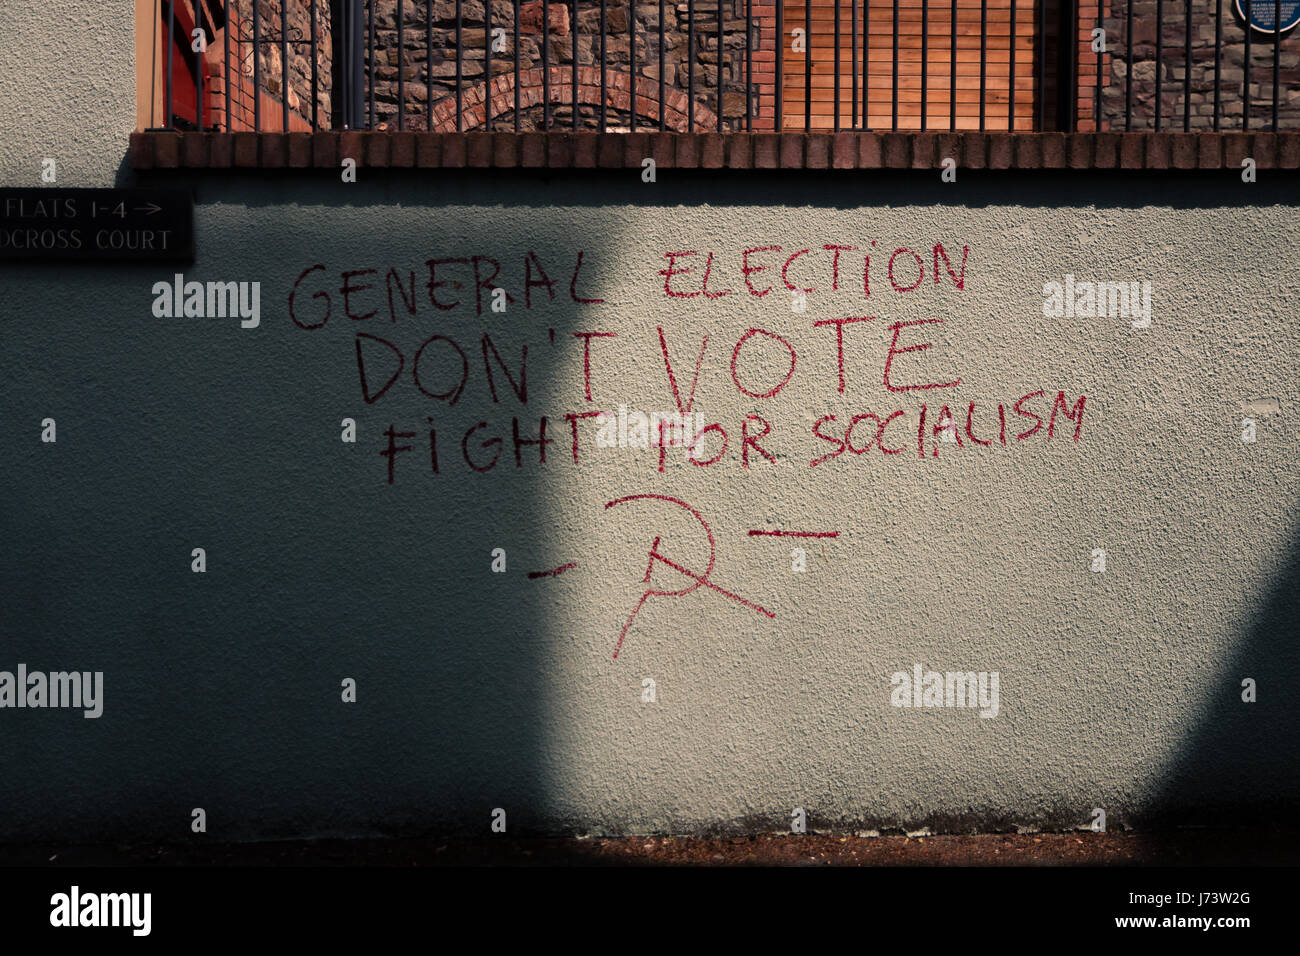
x=697, y=581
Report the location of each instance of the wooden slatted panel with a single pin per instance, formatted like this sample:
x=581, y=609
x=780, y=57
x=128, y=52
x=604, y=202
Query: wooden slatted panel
x=880, y=79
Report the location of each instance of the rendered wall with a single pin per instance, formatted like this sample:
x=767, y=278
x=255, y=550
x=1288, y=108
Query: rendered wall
x=475, y=690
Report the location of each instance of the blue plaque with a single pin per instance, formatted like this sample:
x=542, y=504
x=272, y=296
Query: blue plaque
x=1264, y=14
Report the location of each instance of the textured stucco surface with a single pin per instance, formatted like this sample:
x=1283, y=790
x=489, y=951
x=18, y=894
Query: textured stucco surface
x=68, y=90
x=481, y=690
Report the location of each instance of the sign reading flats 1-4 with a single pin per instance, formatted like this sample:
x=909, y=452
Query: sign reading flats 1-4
x=58, y=223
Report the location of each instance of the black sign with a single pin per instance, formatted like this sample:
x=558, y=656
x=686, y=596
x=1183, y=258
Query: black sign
x=96, y=224
x=1264, y=14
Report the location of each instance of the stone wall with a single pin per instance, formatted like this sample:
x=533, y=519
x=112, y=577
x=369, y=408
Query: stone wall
x=270, y=64
x=432, y=70
x=1173, y=67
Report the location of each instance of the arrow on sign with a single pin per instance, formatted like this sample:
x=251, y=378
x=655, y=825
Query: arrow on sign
x=149, y=208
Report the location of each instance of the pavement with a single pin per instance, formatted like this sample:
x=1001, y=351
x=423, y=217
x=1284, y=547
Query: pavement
x=1190, y=847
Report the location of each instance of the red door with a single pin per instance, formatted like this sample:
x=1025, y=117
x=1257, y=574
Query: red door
x=188, y=68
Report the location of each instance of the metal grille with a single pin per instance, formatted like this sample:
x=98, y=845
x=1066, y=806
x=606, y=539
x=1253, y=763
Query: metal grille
x=734, y=65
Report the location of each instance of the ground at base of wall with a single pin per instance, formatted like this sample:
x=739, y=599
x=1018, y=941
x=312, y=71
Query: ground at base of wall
x=1173, y=848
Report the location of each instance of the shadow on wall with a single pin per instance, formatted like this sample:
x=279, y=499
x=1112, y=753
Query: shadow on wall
x=223, y=690
x=1240, y=765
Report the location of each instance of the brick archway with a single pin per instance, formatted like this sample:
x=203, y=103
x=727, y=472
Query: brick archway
x=618, y=86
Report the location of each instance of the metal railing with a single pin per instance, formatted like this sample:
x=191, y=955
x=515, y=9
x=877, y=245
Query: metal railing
x=610, y=69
